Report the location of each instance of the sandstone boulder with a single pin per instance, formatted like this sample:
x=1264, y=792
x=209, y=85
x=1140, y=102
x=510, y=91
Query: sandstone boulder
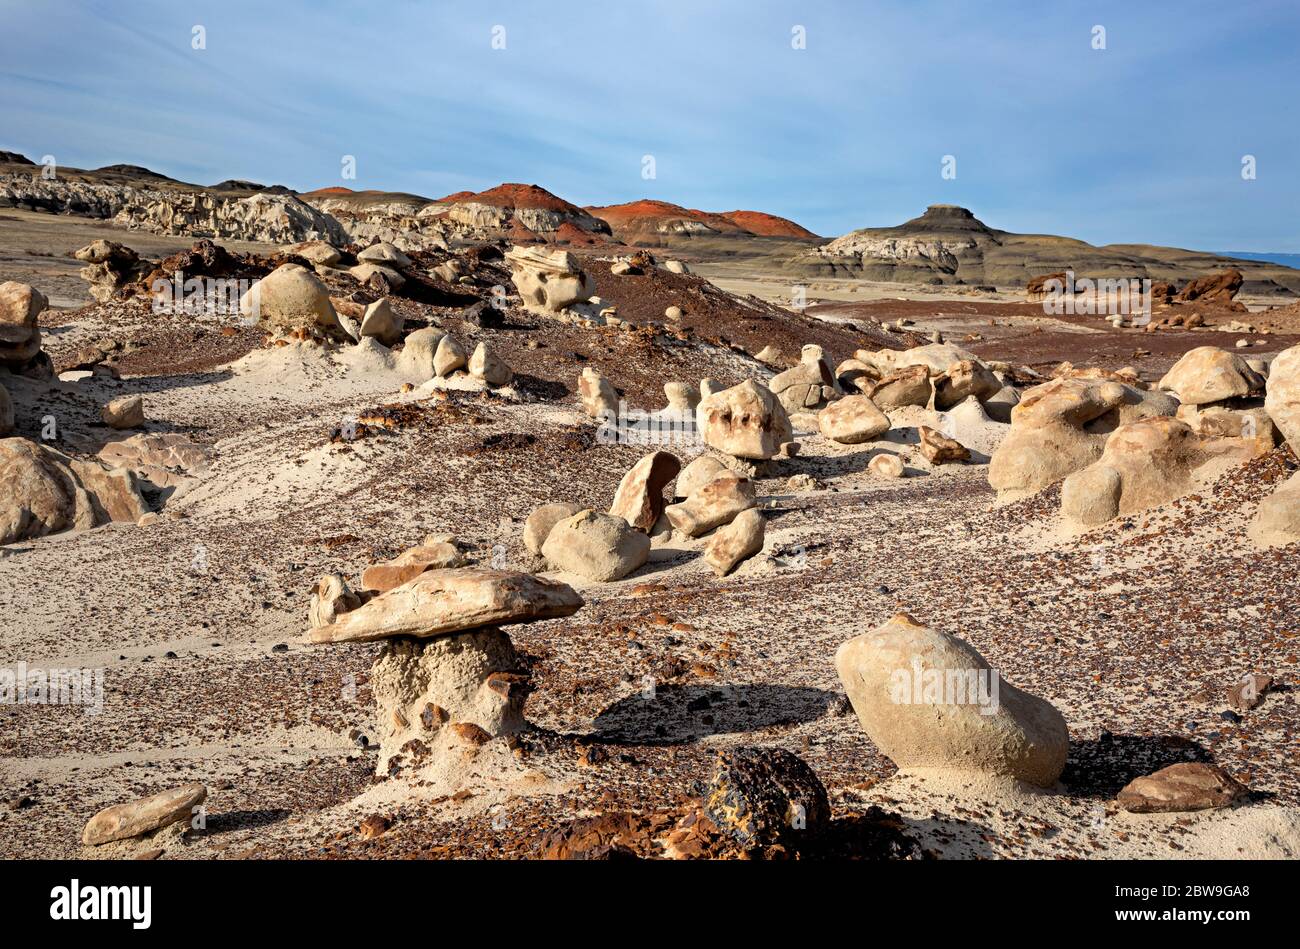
x=539, y=523
x=124, y=412
x=809, y=385
x=746, y=421
x=548, y=282
x=1145, y=464
x=639, y=499
x=599, y=398
x=930, y=700
x=1283, y=398
x=909, y=385
x=1208, y=374
x=486, y=365
x=416, y=360
x=964, y=378
x=330, y=599
x=939, y=449
x=20, y=338
x=715, y=503
x=696, y=475
x=852, y=420
x=448, y=357
x=43, y=491
x=1277, y=521
x=406, y=566
x=886, y=465
x=314, y=252
x=384, y=254
x=143, y=816
x=288, y=298
x=379, y=321
x=439, y=602
x=599, y=547
x=1187, y=786
x=734, y=542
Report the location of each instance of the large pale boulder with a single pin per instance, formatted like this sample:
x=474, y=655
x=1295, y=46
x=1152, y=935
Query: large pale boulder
x=734, y=542
x=746, y=421
x=548, y=282
x=486, y=365
x=449, y=356
x=929, y=700
x=381, y=322
x=964, y=378
x=1147, y=463
x=936, y=357
x=941, y=449
x=143, y=816
x=639, y=499
x=696, y=475
x=1048, y=438
x=440, y=602
x=852, y=420
x=20, y=339
x=909, y=385
x=599, y=398
x=314, y=252
x=712, y=505
x=416, y=360
x=1277, y=521
x=539, y=523
x=809, y=385
x=1283, y=398
x=1209, y=374
x=290, y=297
x=43, y=491
x=599, y=547
x=384, y=254
x=158, y=459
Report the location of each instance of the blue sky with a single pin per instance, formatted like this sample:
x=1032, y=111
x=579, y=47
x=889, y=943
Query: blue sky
x=1140, y=142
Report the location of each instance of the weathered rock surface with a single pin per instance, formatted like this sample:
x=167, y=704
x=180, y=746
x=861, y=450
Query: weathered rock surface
x=439, y=602
x=939, y=449
x=548, y=283
x=381, y=322
x=809, y=385
x=539, y=523
x=43, y=491
x=852, y=420
x=1277, y=521
x=408, y=565
x=140, y=817
x=746, y=421
x=765, y=796
x=886, y=465
x=330, y=599
x=425, y=690
x=20, y=338
x=639, y=499
x=449, y=356
x=712, y=505
x=909, y=385
x=599, y=547
x=734, y=542
x=290, y=297
x=696, y=475
x=486, y=365
x=927, y=700
x=1187, y=786
x=1208, y=374
x=599, y=398
x=1283, y=398
x=126, y=411
x=1147, y=463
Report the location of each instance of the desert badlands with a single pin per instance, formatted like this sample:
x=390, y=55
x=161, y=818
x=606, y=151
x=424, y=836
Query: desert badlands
x=498, y=527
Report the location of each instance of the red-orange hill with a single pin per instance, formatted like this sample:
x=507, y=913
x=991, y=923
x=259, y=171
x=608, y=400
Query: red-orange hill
x=648, y=213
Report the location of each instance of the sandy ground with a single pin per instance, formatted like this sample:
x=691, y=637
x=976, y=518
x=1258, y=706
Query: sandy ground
x=198, y=620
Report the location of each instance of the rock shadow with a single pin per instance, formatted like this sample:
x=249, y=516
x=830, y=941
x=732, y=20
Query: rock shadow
x=678, y=714
x=1100, y=767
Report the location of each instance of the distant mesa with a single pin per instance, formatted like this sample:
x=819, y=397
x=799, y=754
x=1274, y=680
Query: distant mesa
x=13, y=158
